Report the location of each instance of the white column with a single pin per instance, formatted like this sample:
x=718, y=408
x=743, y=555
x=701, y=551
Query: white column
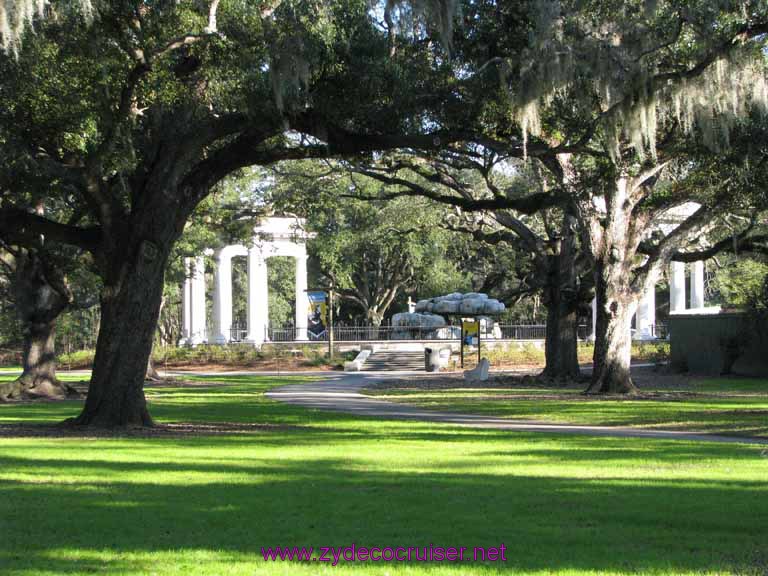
x=697, y=285
x=646, y=315
x=593, y=334
x=258, y=297
x=302, y=300
x=222, y=298
x=677, y=287
x=197, y=326
x=186, y=304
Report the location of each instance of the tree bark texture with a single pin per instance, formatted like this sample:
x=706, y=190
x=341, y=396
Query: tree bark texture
x=615, y=238
x=133, y=269
x=561, y=296
x=613, y=342
x=40, y=295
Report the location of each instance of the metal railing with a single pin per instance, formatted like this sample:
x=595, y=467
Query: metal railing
x=405, y=333
x=238, y=333
x=363, y=333
x=660, y=331
x=522, y=331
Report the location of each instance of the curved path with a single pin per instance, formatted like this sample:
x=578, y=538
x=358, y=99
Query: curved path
x=341, y=393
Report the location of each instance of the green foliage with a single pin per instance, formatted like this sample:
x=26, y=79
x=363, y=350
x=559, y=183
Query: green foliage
x=529, y=353
x=744, y=284
x=10, y=327
x=372, y=250
x=269, y=357
x=514, y=354
x=77, y=330
x=77, y=360
x=282, y=288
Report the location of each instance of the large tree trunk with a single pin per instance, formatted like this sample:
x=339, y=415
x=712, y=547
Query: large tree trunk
x=561, y=298
x=38, y=378
x=41, y=295
x=375, y=318
x=152, y=374
x=560, y=345
x=613, y=234
x=133, y=272
x=128, y=321
x=613, y=339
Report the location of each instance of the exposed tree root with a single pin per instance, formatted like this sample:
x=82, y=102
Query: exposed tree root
x=31, y=388
x=558, y=380
x=605, y=386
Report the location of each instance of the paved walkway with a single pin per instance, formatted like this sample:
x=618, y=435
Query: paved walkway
x=341, y=393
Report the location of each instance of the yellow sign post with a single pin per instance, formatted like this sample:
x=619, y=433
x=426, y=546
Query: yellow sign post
x=470, y=336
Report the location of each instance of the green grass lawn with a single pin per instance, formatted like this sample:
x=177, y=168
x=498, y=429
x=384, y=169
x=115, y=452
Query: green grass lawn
x=728, y=406
x=207, y=504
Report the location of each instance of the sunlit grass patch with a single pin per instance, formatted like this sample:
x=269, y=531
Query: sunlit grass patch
x=732, y=406
x=206, y=504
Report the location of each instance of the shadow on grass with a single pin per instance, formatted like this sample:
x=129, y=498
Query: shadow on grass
x=547, y=523
x=208, y=503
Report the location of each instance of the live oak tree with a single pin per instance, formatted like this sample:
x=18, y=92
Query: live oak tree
x=498, y=202
x=612, y=98
x=40, y=293
x=38, y=274
x=556, y=272
x=43, y=284
x=640, y=89
x=145, y=110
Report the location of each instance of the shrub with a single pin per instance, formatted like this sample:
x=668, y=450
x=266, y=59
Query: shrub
x=82, y=359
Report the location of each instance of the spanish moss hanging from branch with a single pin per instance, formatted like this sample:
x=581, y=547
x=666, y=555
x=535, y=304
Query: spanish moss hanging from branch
x=619, y=61
x=403, y=15
x=18, y=15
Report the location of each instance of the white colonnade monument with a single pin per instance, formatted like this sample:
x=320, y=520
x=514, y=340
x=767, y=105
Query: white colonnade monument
x=273, y=237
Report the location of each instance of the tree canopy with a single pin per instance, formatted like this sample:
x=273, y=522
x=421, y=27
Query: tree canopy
x=135, y=118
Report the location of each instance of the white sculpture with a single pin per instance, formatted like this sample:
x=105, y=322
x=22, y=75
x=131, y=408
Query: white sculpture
x=447, y=306
x=471, y=304
x=414, y=319
x=479, y=373
x=404, y=323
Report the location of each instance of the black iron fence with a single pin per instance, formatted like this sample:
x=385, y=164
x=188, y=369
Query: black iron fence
x=363, y=333
x=366, y=333
x=401, y=333
x=238, y=333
